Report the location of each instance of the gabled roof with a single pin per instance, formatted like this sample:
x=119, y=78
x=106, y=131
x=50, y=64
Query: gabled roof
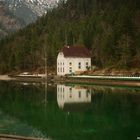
x=76, y=51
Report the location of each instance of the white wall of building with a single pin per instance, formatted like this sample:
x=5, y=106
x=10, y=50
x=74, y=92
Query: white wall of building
x=70, y=65
x=68, y=94
x=61, y=64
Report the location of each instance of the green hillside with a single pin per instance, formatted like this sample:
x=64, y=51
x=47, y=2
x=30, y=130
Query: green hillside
x=109, y=28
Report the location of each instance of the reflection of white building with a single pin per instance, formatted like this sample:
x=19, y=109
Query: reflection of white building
x=72, y=95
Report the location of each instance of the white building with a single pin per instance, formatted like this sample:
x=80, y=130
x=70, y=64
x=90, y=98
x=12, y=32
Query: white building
x=72, y=95
x=73, y=59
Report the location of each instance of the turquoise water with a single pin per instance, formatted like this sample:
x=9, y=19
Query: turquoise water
x=70, y=112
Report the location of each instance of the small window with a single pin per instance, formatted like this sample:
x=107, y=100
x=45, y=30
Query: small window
x=79, y=94
x=70, y=95
x=86, y=63
x=70, y=69
x=70, y=89
x=63, y=69
x=79, y=65
x=58, y=64
x=70, y=63
x=87, y=93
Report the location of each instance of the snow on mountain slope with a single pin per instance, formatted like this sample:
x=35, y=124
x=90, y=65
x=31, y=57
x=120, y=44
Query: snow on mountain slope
x=29, y=10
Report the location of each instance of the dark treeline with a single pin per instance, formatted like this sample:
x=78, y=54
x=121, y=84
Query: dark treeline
x=109, y=28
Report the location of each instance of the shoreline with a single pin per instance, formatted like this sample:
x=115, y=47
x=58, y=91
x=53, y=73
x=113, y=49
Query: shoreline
x=104, y=82
x=96, y=80
x=16, y=137
x=6, y=78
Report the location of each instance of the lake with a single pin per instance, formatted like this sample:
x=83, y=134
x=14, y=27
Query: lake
x=69, y=112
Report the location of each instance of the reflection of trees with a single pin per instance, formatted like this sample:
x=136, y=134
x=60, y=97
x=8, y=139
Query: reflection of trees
x=112, y=114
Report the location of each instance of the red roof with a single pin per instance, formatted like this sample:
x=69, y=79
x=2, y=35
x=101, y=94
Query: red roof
x=76, y=51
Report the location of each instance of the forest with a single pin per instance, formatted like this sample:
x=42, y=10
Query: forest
x=110, y=29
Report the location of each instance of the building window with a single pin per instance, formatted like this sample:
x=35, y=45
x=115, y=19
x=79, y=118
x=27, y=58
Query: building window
x=63, y=69
x=58, y=64
x=87, y=93
x=70, y=89
x=70, y=63
x=79, y=94
x=79, y=65
x=87, y=66
x=70, y=69
x=70, y=95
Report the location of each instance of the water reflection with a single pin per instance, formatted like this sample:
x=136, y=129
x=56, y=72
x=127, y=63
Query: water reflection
x=95, y=112
x=67, y=95
x=16, y=127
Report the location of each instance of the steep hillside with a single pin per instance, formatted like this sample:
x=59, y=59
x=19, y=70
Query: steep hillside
x=110, y=29
x=29, y=10
x=8, y=22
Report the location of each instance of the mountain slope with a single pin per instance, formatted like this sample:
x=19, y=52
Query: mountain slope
x=29, y=10
x=8, y=22
x=110, y=29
